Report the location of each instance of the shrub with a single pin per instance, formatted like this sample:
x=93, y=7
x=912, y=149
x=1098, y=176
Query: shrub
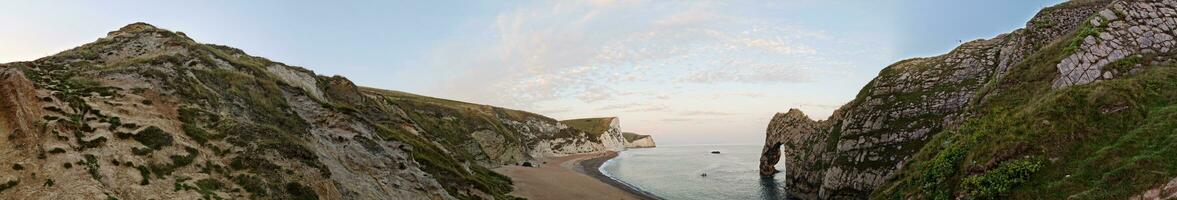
x=252, y=184
x=301, y=192
x=154, y=138
x=209, y=184
x=8, y=185
x=145, y=173
x=999, y=181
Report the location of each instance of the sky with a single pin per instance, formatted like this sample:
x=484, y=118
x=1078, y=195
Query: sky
x=686, y=72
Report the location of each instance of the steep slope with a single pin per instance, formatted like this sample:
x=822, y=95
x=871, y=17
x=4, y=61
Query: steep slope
x=491, y=134
x=147, y=113
x=607, y=130
x=634, y=140
x=1077, y=69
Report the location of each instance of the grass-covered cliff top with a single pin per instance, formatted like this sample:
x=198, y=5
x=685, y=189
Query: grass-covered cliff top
x=518, y=115
x=630, y=136
x=592, y=126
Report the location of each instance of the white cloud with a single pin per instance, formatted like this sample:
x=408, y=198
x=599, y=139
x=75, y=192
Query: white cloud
x=588, y=49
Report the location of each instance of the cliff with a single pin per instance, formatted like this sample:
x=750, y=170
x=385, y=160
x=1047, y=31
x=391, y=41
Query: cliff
x=492, y=134
x=634, y=140
x=147, y=113
x=607, y=130
x=1044, y=112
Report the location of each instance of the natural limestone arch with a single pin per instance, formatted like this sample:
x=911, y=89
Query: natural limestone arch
x=769, y=157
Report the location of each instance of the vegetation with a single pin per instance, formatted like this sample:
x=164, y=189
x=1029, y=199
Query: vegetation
x=154, y=138
x=593, y=126
x=8, y=185
x=91, y=164
x=999, y=181
x=632, y=136
x=244, y=107
x=1103, y=139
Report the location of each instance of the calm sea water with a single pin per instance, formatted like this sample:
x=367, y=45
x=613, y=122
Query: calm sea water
x=673, y=172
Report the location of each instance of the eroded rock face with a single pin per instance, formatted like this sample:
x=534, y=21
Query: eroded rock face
x=643, y=142
x=859, y=147
x=612, y=138
x=1113, y=42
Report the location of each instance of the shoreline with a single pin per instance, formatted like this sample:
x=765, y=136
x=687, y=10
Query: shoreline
x=570, y=177
x=592, y=167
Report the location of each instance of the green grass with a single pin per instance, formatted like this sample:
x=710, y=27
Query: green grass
x=632, y=136
x=1105, y=138
x=1002, y=179
x=209, y=185
x=595, y=127
x=447, y=170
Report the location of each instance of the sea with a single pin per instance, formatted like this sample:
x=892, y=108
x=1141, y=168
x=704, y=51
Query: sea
x=676, y=172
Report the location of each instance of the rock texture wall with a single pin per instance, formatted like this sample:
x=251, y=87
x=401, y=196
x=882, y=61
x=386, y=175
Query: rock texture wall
x=858, y=148
x=607, y=131
x=1111, y=42
x=634, y=140
x=612, y=138
x=644, y=142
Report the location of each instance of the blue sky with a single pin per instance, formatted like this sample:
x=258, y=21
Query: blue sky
x=687, y=72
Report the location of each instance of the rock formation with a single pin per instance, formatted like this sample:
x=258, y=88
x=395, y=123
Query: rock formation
x=147, y=113
x=876, y=139
x=607, y=130
x=634, y=140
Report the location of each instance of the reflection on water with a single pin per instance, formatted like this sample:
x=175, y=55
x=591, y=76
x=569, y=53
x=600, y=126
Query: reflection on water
x=674, y=172
x=769, y=188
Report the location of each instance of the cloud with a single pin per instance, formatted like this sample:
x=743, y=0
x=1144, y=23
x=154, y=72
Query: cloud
x=706, y=113
x=620, y=106
x=678, y=119
x=739, y=95
x=750, y=72
x=593, y=50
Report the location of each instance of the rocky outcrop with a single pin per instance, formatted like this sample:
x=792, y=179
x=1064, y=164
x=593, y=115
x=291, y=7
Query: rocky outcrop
x=147, y=113
x=634, y=140
x=861, y=145
x=1114, y=41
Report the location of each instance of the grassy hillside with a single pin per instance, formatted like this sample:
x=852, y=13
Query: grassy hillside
x=1105, y=140
x=593, y=126
x=630, y=137
x=217, y=123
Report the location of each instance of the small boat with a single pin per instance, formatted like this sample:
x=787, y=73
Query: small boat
x=703, y=175
x=714, y=151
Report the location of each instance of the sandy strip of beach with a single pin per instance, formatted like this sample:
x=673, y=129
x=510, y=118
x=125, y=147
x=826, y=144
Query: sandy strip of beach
x=569, y=177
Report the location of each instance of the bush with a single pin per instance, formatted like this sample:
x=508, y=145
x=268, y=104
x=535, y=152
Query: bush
x=996, y=182
x=154, y=138
x=301, y=192
x=209, y=184
x=145, y=173
x=8, y=185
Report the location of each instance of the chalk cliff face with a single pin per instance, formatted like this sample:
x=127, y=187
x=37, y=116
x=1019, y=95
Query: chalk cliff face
x=919, y=129
x=491, y=134
x=634, y=140
x=147, y=113
x=607, y=130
